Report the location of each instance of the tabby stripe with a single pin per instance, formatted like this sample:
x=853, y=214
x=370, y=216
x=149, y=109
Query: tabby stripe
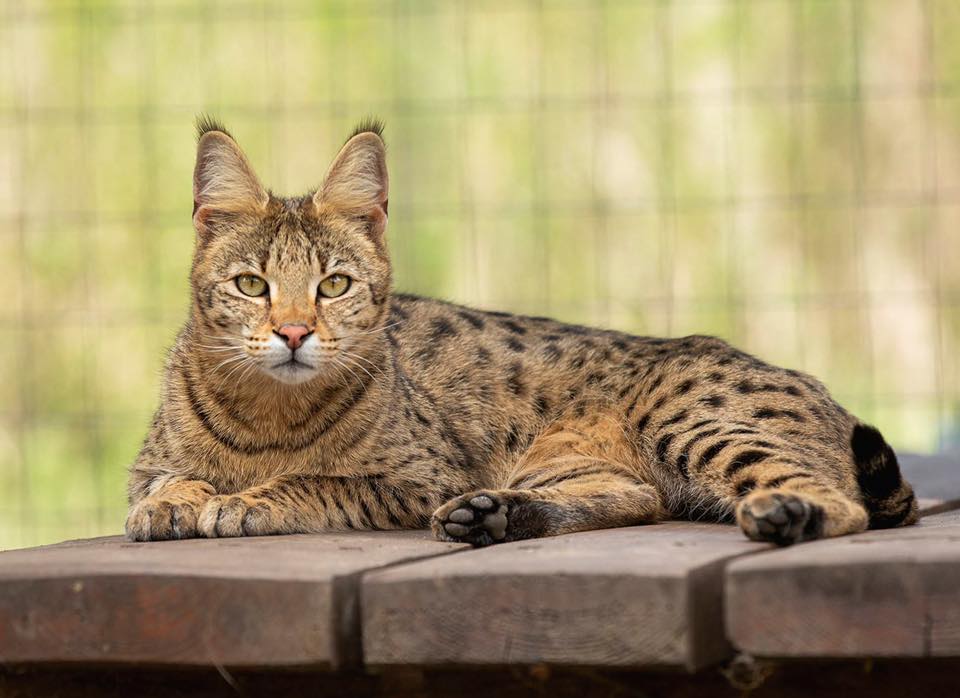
x=745, y=486
x=712, y=453
x=557, y=479
x=781, y=479
x=366, y=511
x=678, y=417
x=643, y=421
x=700, y=437
x=741, y=430
x=663, y=445
x=378, y=495
x=744, y=459
x=326, y=506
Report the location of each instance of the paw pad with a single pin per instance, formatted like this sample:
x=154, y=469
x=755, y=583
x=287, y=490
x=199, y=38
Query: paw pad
x=479, y=519
x=780, y=518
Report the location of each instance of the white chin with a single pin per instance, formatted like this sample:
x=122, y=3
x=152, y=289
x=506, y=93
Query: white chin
x=292, y=373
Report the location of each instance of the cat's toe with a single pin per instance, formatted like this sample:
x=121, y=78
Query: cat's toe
x=479, y=518
x=780, y=518
x=228, y=516
x=157, y=519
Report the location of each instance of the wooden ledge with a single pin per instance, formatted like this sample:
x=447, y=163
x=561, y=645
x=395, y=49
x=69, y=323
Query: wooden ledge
x=265, y=602
x=629, y=597
x=893, y=593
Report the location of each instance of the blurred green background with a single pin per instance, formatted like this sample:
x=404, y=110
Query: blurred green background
x=782, y=173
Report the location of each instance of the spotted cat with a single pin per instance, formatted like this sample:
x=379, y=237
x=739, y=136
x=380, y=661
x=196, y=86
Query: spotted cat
x=304, y=395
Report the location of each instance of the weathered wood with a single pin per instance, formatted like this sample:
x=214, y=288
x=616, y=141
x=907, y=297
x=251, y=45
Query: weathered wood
x=275, y=601
x=643, y=596
x=882, y=593
x=876, y=679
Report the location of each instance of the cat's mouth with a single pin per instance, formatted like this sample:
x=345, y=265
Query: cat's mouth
x=292, y=371
x=292, y=364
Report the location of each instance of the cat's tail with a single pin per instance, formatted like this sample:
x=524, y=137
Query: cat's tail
x=889, y=498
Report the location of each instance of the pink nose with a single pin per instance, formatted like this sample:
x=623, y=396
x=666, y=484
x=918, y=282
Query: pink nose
x=294, y=334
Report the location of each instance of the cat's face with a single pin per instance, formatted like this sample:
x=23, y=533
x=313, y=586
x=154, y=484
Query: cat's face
x=291, y=288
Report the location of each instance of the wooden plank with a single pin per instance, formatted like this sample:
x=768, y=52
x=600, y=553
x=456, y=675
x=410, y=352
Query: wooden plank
x=629, y=597
x=933, y=476
x=890, y=593
x=272, y=601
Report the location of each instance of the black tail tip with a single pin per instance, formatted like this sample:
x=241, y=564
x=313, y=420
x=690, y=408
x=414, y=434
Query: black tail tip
x=878, y=472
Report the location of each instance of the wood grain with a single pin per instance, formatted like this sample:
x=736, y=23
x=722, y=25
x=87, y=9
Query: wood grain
x=629, y=597
x=890, y=593
x=272, y=601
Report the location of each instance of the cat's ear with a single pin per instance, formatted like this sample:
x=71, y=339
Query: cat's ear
x=224, y=183
x=356, y=184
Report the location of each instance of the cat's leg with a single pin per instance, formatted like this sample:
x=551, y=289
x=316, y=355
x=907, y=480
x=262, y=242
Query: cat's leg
x=799, y=509
x=169, y=510
x=578, y=475
x=312, y=503
x=777, y=491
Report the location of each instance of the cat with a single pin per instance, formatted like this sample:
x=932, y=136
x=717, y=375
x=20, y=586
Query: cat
x=304, y=395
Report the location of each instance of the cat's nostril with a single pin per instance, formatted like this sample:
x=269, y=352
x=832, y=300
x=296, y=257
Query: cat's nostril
x=293, y=334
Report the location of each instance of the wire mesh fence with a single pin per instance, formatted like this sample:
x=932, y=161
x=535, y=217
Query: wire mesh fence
x=782, y=173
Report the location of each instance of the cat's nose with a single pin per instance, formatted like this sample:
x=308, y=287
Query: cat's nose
x=294, y=334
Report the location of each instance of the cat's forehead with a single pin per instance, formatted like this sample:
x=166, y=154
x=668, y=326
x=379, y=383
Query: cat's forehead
x=296, y=240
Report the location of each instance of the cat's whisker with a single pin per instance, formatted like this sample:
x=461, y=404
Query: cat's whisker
x=350, y=371
x=360, y=366
x=230, y=360
x=348, y=354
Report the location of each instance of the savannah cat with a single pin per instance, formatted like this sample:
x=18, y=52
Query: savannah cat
x=303, y=395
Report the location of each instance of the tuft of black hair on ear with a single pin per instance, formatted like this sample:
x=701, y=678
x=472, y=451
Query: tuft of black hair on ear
x=208, y=124
x=370, y=124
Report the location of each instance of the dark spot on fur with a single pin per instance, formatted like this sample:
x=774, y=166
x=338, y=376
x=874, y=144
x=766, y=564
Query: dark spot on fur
x=513, y=327
x=477, y=322
x=714, y=400
x=552, y=351
x=515, y=380
x=686, y=386
x=441, y=329
x=541, y=405
x=513, y=344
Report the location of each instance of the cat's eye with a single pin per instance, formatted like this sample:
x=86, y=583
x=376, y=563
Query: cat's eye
x=251, y=285
x=334, y=285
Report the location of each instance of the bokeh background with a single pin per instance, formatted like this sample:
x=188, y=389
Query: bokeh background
x=782, y=173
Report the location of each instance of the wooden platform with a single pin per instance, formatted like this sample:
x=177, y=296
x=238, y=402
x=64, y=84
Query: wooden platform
x=695, y=600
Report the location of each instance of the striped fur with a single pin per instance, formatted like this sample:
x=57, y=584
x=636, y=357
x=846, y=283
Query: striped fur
x=486, y=426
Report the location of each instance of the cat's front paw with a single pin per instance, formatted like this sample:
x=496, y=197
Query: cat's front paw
x=478, y=518
x=231, y=515
x=153, y=518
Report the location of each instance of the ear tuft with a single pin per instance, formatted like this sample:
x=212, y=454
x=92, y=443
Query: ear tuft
x=207, y=124
x=371, y=124
x=357, y=184
x=223, y=180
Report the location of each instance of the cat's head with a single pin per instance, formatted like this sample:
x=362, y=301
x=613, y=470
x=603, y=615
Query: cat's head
x=292, y=287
